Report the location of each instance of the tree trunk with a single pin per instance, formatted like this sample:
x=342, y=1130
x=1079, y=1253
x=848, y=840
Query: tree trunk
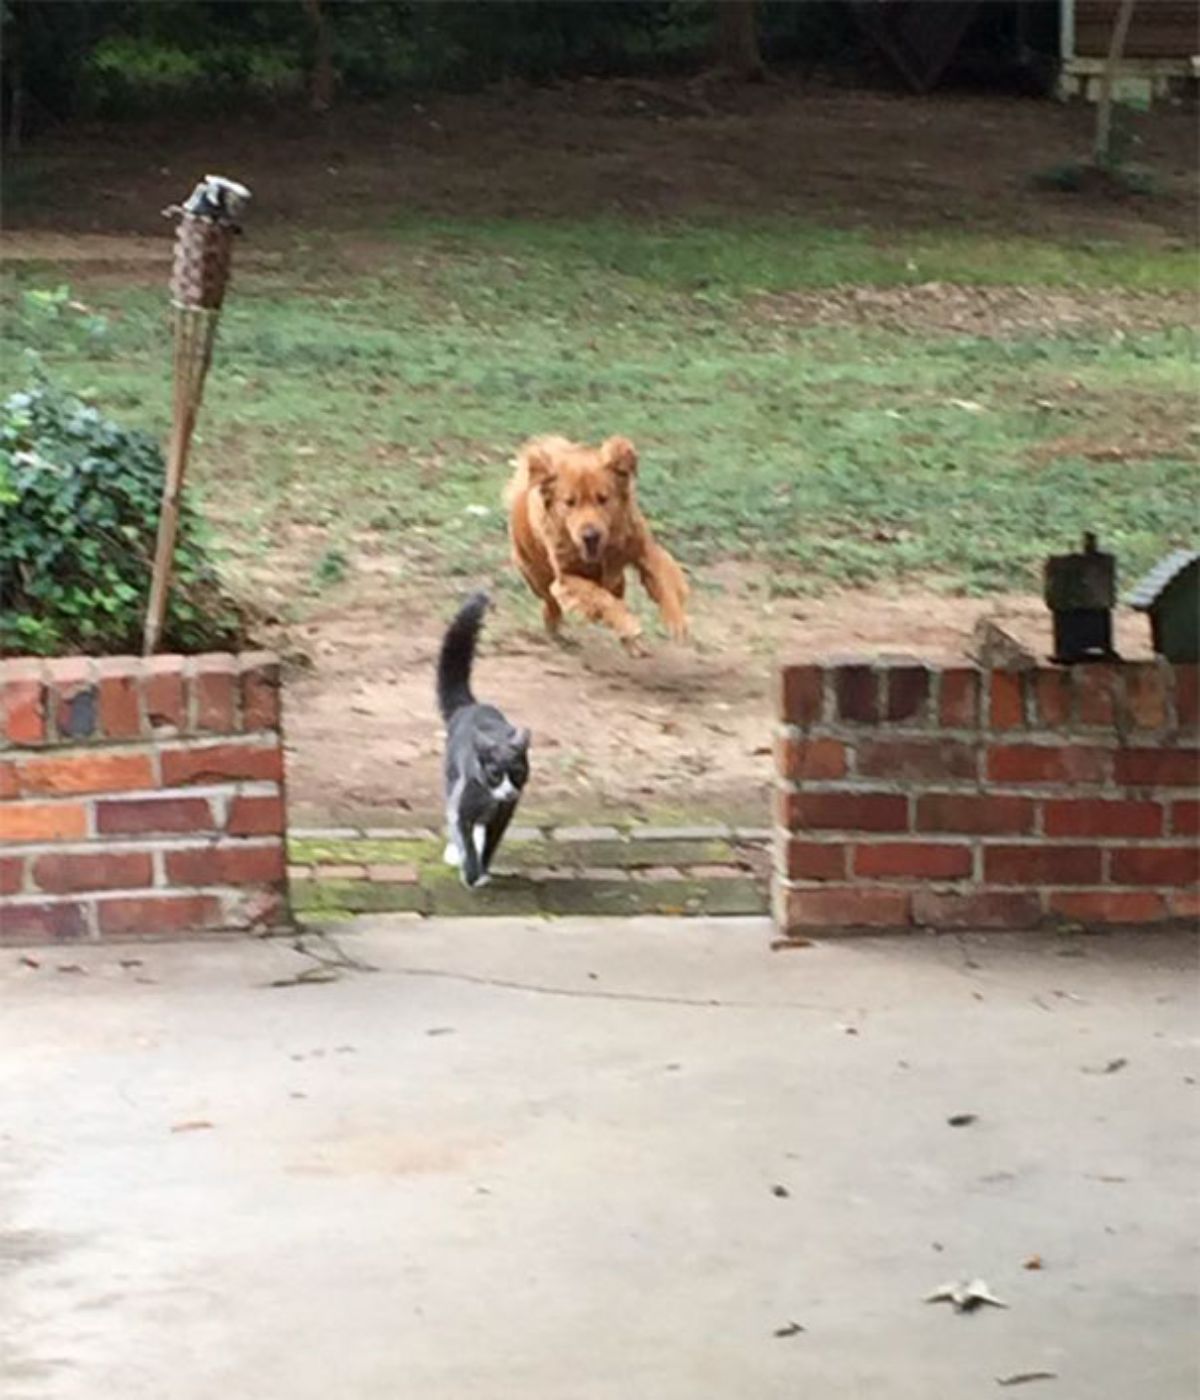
x=1116, y=51
x=320, y=90
x=737, y=40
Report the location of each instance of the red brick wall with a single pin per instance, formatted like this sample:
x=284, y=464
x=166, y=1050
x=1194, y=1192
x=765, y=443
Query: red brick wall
x=949, y=797
x=140, y=798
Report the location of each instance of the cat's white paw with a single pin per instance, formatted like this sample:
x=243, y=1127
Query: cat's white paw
x=452, y=855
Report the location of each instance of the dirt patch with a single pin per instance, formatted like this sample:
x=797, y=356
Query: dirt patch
x=682, y=733
x=656, y=150
x=997, y=313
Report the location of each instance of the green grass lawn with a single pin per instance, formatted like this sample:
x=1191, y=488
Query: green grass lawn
x=358, y=413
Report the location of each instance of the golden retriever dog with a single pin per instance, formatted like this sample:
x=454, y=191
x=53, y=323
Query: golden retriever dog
x=575, y=528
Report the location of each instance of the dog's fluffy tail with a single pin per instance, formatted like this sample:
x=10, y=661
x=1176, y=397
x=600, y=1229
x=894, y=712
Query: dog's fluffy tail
x=457, y=654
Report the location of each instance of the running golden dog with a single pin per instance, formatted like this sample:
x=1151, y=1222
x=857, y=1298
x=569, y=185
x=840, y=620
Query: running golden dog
x=575, y=528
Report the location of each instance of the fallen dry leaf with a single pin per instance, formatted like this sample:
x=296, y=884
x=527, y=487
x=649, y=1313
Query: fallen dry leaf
x=1111, y=1068
x=26, y=961
x=191, y=1125
x=966, y=1295
x=1025, y=1377
x=1033, y=1262
x=789, y=1329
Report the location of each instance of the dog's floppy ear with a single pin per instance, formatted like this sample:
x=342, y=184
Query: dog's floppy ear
x=539, y=467
x=619, y=454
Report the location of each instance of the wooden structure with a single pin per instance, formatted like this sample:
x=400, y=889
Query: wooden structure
x=1162, y=48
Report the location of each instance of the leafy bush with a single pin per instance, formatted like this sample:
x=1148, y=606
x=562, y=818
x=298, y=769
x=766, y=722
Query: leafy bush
x=79, y=505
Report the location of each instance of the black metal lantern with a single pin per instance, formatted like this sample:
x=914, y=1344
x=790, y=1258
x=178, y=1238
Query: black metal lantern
x=1080, y=590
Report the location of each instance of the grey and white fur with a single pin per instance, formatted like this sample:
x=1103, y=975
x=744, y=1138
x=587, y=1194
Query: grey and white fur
x=487, y=759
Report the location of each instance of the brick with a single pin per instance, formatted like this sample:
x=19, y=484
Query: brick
x=405, y=874
x=912, y=860
x=1052, y=698
x=976, y=909
x=57, y=922
x=1097, y=817
x=157, y=914
x=92, y=870
x=1185, y=818
x=1108, y=906
x=72, y=696
x=225, y=865
x=810, y=760
x=958, y=705
x=162, y=693
x=842, y=907
x=1146, y=695
x=975, y=814
x=1041, y=865
x=1033, y=763
x=221, y=763
x=1185, y=904
x=856, y=689
x=907, y=693
x=1155, y=865
x=214, y=692
x=23, y=711
x=1187, y=697
x=9, y=786
x=42, y=821
x=845, y=811
x=801, y=694
x=1006, y=703
x=12, y=874
x=88, y=771
x=260, y=689
x=119, y=690
x=256, y=816
x=343, y=870
x=153, y=815
x=1097, y=687
x=1158, y=767
x=814, y=860
x=916, y=758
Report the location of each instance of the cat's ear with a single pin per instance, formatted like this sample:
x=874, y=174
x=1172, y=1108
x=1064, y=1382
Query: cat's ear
x=521, y=740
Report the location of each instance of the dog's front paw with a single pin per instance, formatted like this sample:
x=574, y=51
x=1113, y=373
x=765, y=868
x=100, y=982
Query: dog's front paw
x=634, y=645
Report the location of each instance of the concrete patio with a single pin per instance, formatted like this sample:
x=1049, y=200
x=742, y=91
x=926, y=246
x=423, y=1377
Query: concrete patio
x=598, y=1160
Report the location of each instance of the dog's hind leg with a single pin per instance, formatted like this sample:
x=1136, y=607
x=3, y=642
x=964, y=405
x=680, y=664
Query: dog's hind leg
x=666, y=583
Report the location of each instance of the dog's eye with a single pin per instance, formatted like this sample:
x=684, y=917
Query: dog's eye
x=570, y=502
x=602, y=500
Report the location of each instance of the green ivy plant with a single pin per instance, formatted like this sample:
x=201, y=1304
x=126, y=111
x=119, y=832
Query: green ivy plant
x=79, y=505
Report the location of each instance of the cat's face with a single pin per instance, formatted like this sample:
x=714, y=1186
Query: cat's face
x=504, y=764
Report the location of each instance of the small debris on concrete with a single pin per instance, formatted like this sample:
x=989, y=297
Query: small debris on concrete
x=1111, y=1068
x=440, y=1030
x=1033, y=1262
x=789, y=1329
x=847, y=1030
x=778, y=944
x=966, y=1295
x=26, y=961
x=73, y=967
x=308, y=976
x=1025, y=1377
x=781, y=1191
x=191, y=1125
x=962, y=1120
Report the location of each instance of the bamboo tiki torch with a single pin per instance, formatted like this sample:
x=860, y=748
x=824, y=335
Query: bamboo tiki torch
x=200, y=274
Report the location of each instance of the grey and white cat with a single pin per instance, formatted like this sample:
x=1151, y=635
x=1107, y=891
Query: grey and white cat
x=487, y=759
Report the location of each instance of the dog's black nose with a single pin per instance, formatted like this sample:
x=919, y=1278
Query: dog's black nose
x=591, y=540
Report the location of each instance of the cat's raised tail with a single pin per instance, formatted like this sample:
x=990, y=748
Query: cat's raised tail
x=457, y=654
